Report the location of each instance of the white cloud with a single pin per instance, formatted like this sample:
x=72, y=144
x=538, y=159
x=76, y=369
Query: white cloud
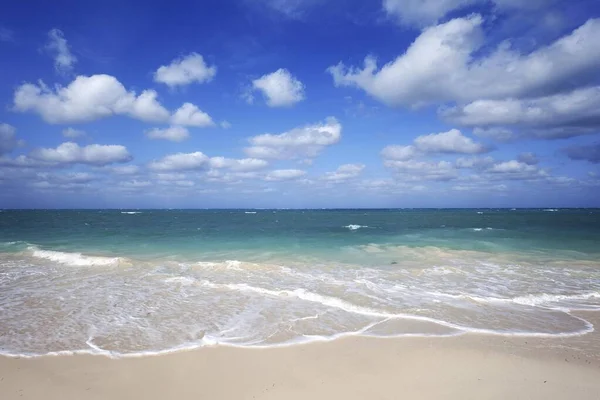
x=170, y=176
x=280, y=88
x=441, y=65
x=284, y=174
x=398, y=152
x=424, y=12
x=190, y=115
x=135, y=184
x=72, y=133
x=8, y=141
x=478, y=163
x=88, y=98
x=225, y=125
x=452, y=141
x=242, y=165
x=72, y=153
x=569, y=114
x=344, y=172
x=198, y=161
x=59, y=48
x=172, y=133
x=72, y=177
x=512, y=167
x=413, y=170
x=528, y=158
x=125, y=169
x=496, y=133
x=185, y=70
x=302, y=142
x=180, y=162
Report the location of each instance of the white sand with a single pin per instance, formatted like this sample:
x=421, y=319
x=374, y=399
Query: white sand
x=466, y=367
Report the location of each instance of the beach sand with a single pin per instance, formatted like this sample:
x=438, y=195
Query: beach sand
x=463, y=367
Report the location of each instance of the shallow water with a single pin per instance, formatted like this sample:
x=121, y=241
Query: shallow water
x=134, y=282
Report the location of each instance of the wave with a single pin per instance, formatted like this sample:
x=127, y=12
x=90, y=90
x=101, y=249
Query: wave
x=249, y=212
x=544, y=298
x=378, y=316
x=74, y=259
x=355, y=227
x=480, y=229
x=551, y=209
x=131, y=212
x=534, y=300
x=343, y=305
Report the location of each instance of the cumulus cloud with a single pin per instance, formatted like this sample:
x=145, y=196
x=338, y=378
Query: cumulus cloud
x=71, y=177
x=58, y=47
x=72, y=153
x=199, y=161
x=441, y=65
x=135, y=184
x=280, y=88
x=241, y=165
x=190, y=115
x=559, y=115
x=512, y=167
x=172, y=133
x=8, y=140
x=425, y=12
x=284, y=174
x=479, y=163
x=185, y=70
x=495, y=133
x=413, y=170
x=399, y=153
x=72, y=133
x=422, y=12
x=528, y=158
x=88, y=98
x=344, y=172
x=589, y=153
x=125, y=169
x=302, y=142
x=451, y=142
x=180, y=162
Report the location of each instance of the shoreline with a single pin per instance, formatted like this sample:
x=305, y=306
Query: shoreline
x=467, y=366
x=591, y=317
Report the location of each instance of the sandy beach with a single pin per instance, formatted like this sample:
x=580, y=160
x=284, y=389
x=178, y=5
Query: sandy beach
x=464, y=367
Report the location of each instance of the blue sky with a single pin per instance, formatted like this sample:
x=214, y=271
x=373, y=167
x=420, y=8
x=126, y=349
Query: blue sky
x=289, y=103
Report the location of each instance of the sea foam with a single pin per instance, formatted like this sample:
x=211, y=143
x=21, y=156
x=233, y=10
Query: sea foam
x=355, y=227
x=74, y=259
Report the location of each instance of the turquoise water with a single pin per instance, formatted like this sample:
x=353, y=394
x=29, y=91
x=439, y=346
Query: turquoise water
x=130, y=282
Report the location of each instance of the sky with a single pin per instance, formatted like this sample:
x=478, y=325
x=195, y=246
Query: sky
x=300, y=104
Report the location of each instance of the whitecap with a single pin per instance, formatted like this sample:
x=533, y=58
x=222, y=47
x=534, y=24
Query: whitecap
x=131, y=212
x=355, y=227
x=74, y=259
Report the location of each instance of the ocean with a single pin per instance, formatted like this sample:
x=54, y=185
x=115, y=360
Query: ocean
x=141, y=282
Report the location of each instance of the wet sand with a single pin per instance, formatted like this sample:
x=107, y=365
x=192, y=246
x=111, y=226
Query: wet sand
x=463, y=367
